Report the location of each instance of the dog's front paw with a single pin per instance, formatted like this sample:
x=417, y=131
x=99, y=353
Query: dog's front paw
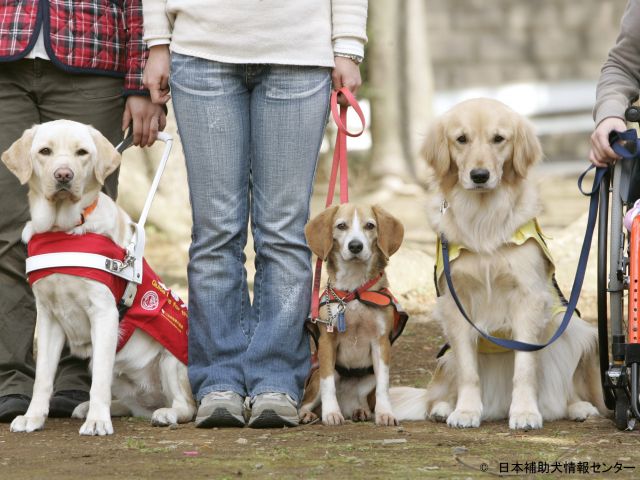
x=22, y=423
x=81, y=411
x=307, y=417
x=386, y=419
x=525, y=420
x=97, y=427
x=464, y=418
x=440, y=412
x=580, y=411
x=332, y=418
x=163, y=417
x=361, y=415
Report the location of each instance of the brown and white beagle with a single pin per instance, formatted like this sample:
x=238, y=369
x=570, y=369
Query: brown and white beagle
x=354, y=351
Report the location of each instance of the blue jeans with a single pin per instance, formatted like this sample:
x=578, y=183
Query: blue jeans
x=251, y=136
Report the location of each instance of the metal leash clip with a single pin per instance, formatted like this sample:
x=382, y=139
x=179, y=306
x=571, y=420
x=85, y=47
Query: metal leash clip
x=114, y=265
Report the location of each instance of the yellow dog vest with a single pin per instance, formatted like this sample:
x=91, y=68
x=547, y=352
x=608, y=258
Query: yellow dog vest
x=529, y=231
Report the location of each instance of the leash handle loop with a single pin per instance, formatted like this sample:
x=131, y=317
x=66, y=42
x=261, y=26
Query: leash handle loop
x=625, y=143
x=340, y=164
x=341, y=118
x=575, y=289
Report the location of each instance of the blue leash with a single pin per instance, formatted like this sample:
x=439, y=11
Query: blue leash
x=577, y=282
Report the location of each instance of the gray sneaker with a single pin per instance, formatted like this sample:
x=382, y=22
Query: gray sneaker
x=273, y=410
x=220, y=409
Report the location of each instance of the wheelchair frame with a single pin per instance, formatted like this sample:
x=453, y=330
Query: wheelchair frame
x=620, y=357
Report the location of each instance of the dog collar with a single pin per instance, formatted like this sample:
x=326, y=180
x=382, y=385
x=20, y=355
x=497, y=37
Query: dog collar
x=88, y=210
x=346, y=295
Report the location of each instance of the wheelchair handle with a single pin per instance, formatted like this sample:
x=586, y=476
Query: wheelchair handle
x=632, y=114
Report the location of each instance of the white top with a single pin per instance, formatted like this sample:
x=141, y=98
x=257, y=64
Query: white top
x=287, y=32
x=38, y=50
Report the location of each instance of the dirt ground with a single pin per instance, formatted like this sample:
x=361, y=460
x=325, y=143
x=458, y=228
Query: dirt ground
x=413, y=450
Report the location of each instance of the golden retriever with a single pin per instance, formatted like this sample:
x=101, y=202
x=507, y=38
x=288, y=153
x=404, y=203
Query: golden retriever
x=480, y=153
x=65, y=164
x=353, y=374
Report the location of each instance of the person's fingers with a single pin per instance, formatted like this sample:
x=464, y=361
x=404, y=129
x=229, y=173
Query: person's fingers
x=164, y=83
x=154, y=124
x=352, y=84
x=137, y=128
x=146, y=125
x=605, y=146
x=126, y=118
x=336, y=79
x=596, y=147
x=155, y=91
x=162, y=122
x=593, y=159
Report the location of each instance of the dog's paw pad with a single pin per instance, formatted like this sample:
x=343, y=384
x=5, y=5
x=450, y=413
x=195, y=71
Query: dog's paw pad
x=580, y=411
x=163, y=417
x=464, y=419
x=81, y=411
x=333, y=418
x=23, y=423
x=360, y=415
x=307, y=417
x=525, y=420
x=386, y=419
x=440, y=412
x=96, y=427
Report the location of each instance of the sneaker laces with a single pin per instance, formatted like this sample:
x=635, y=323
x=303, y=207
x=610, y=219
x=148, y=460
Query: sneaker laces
x=273, y=396
x=226, y=395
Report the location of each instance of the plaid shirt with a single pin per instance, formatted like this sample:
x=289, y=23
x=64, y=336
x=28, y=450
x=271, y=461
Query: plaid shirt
x=86, y=36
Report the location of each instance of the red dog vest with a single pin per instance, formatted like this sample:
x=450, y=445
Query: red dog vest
x=156, y=309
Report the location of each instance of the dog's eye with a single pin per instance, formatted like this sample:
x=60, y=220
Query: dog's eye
x=45, y=151
x=82, y=152
x=498, y=139
x=341, y=226
x=369, y=226
x=462, y=139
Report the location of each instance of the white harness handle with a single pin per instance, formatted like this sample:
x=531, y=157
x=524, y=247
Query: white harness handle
x=131, y=268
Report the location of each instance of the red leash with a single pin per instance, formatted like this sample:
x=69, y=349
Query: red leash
x=339, y=163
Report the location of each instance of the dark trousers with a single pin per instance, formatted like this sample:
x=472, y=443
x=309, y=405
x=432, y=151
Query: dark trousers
x=34, y=91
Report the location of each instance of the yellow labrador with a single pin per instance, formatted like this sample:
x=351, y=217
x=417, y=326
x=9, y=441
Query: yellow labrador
x=65, y=164
x=480, y=153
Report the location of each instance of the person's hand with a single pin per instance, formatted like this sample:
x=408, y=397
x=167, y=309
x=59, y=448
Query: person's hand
x=601, y=153
x=147, y=117
x=156, y=74
x=346, y=74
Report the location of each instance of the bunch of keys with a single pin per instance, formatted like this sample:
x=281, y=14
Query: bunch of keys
x=341, y=307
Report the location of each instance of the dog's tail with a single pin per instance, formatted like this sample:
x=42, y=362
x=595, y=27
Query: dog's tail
x=408, y=403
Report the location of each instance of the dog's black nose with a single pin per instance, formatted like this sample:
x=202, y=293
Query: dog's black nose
x=63, y=175
x=355, y=246
x=479, y=175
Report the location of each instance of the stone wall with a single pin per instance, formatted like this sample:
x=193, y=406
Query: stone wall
x=491, y=42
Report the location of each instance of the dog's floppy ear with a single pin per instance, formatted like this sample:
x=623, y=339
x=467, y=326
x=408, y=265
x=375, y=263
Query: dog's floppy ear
x=526, y=147
x=319, y=232
x=107, y=157
x=390, y=231
x=18, y=157
x=436, y=149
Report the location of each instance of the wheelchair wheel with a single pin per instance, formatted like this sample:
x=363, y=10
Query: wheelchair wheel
x=622, y=412
x=603, y=293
